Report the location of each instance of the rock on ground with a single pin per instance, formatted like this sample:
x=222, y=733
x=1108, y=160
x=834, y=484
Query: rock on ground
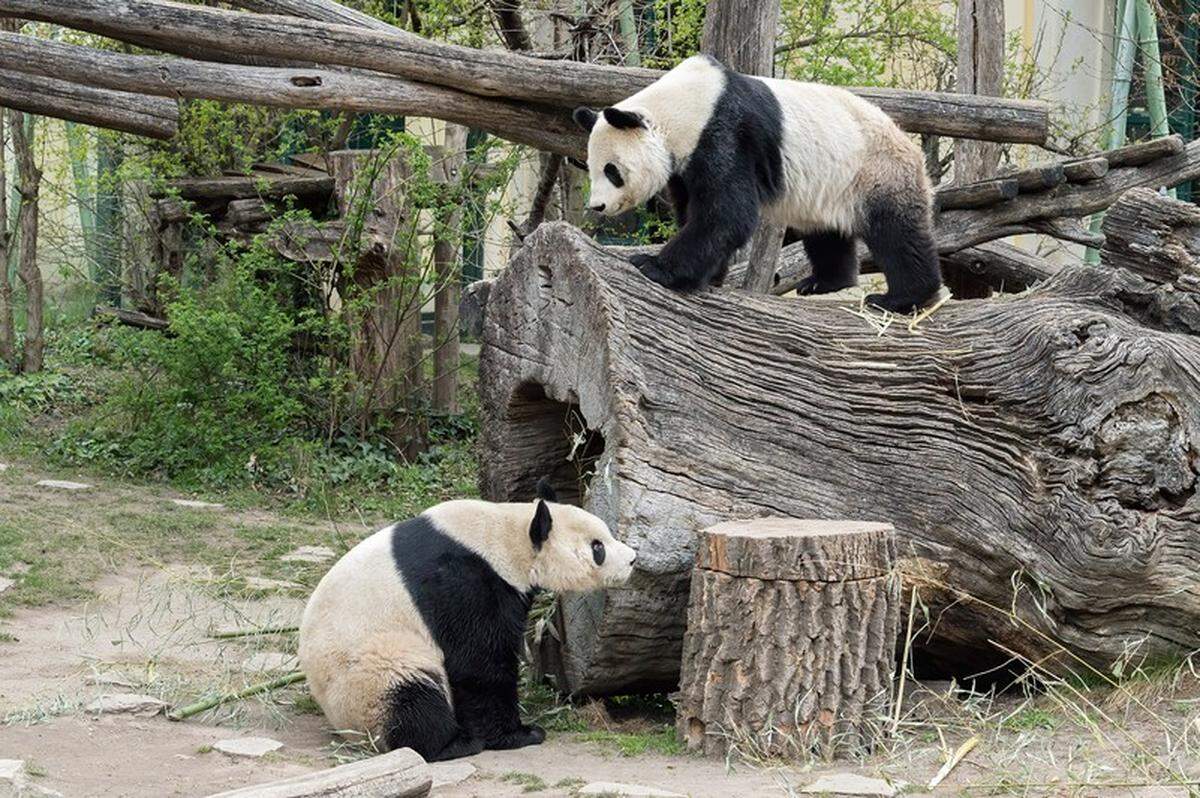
x=196, y=504
x=62, y=484
x=626, y=790
x=15, y=782
x=5, y=583
x=248, y=746
x=309, y=554
x=849, y=784
x=127, y=703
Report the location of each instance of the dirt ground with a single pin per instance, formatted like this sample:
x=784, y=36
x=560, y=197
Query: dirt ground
x=141, y=615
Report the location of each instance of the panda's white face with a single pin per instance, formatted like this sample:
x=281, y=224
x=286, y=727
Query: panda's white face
x=579, y=553
x=628, y=159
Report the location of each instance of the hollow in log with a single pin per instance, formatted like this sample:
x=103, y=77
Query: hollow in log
x=791, y=639
x=1035, y=453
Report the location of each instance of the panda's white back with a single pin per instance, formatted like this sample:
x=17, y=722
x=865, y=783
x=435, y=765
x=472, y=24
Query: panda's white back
x=361, y=633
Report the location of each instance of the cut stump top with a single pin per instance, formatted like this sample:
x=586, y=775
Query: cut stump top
x=799, y=549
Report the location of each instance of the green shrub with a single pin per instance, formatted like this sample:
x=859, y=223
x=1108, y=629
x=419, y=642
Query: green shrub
x=213, y=400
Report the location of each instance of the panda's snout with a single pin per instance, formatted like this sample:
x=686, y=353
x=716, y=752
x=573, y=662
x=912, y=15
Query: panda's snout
x=599, y=208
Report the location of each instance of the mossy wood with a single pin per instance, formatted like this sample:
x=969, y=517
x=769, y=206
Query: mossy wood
x=791, y=638
x=1037, y=453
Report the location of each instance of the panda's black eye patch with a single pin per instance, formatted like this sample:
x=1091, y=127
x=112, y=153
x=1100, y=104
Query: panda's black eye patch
x=614, y=175
x=598, y=552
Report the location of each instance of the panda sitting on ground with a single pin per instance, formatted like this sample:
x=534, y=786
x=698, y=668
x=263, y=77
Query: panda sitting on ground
x=414, y=636
x=817, y=160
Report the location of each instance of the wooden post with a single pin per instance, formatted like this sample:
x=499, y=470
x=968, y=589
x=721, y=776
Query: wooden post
x=741, y=33
x=791, y=638
x=447, y=259
x=385, y=288
x=29, y=188
x=980, y=71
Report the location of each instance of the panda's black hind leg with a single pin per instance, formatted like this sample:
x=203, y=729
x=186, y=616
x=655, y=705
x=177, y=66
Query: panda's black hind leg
x=419, y=717
x=834, y=260
x=899, y=237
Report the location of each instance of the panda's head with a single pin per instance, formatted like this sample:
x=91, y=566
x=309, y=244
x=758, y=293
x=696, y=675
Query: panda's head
x=573, y=549
x=628, y=158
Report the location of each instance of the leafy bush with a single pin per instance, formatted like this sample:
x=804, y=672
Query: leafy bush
x=212, y=396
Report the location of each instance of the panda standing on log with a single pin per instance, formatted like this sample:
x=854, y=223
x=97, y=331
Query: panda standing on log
x=414, y=636
x=817, y=160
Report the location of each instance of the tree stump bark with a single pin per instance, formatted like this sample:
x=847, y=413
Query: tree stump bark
x=791, y=638
x=1037, y=454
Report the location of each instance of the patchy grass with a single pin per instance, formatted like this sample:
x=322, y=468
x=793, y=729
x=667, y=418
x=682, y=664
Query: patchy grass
x=661, y=741
x=528, y=782
x=1033, y=718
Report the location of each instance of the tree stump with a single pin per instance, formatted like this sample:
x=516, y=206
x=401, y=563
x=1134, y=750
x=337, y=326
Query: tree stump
x=1036, y=453
x=791, y=638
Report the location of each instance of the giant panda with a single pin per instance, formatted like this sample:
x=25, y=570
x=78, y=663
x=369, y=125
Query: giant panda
x=413, y=637
x=729, y=148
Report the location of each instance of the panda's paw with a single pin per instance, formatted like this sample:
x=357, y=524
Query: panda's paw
x=811, y=285
x=535, y=734
x=893, y=304
x=651, y=268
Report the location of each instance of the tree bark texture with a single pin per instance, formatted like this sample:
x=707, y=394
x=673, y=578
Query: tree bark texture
x=151, y=117
x=1035, y=453
x=181, y=29
x=28, y=189
x=980, y=72
x=381, y=282
x=8, y=331
x=544, y=127
x=791, y=639
x=447, y=258
x=397, y=774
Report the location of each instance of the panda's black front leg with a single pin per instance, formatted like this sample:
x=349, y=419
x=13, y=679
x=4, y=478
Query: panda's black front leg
x=488, y=709
x=718, y=225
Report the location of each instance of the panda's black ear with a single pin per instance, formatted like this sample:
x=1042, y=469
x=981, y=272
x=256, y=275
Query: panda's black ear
x=623, y=120
x=545, y=490
x=539, y=528
x=585, y=118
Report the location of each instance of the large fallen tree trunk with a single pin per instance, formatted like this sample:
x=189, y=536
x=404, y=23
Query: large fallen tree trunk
x=544, y=127
x=116, y=110
x=1037, y=454
x=179, y=28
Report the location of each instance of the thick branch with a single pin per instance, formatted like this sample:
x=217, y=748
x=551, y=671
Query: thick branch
x=174, y=27
x=48, y=96
x=543, y=127
x=958, y=229
x=320, y=10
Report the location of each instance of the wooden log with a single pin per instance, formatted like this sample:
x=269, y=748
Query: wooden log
x=447, y=259
x=1145, y=152
x=319, y=10
x=544, y=127
x=151, y=117
x=977, y=195
x=248, y=187
x=131, y=318
x=1001, y=265
x=246, y=212
x=397, y=774
x=1033, y=453
x=179, y=28
x=791, y=639
x=1037, y=178
x=961, y=228
x=1085, y=169
x=1160, y=237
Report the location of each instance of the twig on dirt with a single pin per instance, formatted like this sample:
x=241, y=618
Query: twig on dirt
x=908, y=638
x=229, y=634
x=216, y=701
x=953, y=761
